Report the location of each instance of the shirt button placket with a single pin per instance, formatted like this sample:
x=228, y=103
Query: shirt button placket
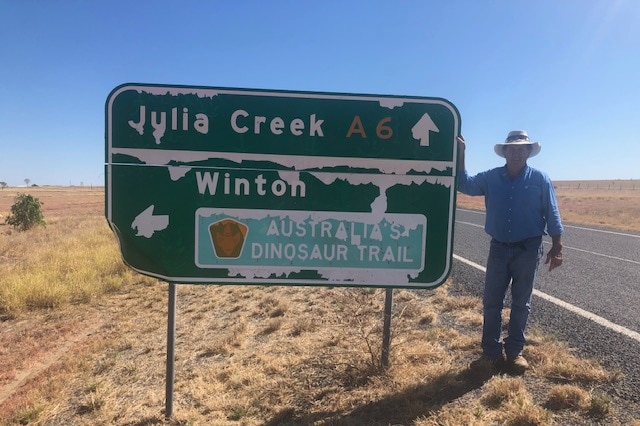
x=509, y=223
x=510, y=213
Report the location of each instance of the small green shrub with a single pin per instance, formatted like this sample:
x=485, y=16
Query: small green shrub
x=26, y=213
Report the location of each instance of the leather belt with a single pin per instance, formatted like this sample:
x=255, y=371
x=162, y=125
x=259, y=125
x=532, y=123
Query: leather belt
x=519, y=244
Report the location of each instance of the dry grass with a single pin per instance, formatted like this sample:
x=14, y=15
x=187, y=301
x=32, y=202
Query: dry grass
x=568, y=397
x=69, y=261
x=245, y=357
x=613, y=204
x=251, y=355
x=556, y=362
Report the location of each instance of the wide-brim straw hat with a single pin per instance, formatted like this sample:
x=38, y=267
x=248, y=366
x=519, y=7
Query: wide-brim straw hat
x=518, y=137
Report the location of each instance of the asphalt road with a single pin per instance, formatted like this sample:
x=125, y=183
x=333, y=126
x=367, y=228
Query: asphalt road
x=591, y=302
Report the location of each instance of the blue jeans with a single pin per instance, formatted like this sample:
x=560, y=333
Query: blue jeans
x=515, y=264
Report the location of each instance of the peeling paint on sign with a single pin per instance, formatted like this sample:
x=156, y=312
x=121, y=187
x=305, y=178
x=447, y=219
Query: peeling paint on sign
x=216, y=185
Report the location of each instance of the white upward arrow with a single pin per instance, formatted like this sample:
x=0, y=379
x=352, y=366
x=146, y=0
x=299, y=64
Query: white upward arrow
x=422, y=128
x=147, y=223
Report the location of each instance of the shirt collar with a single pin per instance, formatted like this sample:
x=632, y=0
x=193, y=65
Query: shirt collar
x=524, y=170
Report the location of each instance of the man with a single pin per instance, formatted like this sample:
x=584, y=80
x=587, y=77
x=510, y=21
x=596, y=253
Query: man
x=521, y=207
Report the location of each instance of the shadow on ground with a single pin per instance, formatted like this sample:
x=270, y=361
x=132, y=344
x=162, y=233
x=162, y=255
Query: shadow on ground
x=403, y=407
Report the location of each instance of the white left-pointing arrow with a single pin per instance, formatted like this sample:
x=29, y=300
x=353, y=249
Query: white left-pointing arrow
x=421, y=129
x=146, y=223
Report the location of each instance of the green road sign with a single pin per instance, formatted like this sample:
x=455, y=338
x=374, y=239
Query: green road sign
x=239, y=186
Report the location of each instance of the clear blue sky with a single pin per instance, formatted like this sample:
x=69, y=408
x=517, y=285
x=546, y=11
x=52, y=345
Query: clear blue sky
x=566, y=71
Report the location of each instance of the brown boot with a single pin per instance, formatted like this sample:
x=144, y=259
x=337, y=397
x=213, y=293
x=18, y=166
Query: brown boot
x=485, y=363
x=517, y=364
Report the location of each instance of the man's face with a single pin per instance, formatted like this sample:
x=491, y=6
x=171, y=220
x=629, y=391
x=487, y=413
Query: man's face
x=517, y=155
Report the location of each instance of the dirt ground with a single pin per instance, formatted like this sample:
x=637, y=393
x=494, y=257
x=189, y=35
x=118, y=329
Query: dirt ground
x=57, y=201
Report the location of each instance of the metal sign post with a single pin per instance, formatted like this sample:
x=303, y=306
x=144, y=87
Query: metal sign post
x=386, y=329
x=171, y=350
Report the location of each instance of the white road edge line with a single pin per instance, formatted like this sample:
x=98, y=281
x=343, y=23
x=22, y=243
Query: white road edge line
x=568, y=247
x=598, y=254
x=586, y=314
x=570, y=226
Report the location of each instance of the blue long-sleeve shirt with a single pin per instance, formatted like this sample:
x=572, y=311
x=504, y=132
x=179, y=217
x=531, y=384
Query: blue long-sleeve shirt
x=516, y=210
